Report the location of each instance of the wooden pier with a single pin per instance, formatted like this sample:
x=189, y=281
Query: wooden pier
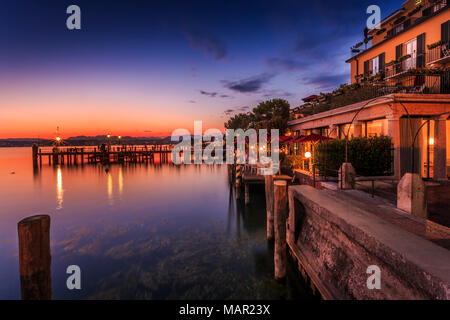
x=103, y=154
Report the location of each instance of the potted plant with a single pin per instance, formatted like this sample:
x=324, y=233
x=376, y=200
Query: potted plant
x=403, y=58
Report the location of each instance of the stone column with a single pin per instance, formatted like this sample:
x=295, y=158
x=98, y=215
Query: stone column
x=347, y=176
x=394, y=134
x=440, y=143
x=411, y=195
x=358, y=126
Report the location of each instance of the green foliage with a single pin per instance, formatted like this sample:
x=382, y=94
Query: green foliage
x=289, y=163
x=240, y=121
x=272, y=114
x=369, y=156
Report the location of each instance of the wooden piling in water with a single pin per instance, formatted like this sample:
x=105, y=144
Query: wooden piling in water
x=238, y=181
x=269, y=205
x=280, y=201
x=35, y=258
x=34, y=150
x=247, y=194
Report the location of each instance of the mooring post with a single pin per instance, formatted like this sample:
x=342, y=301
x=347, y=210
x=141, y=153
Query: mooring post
x=35, y=258
x=34, y=150
x=247, y=193
x=230, y=173
x=55, y=156
x=280, y=259
x=238, y=181
x=269, y=205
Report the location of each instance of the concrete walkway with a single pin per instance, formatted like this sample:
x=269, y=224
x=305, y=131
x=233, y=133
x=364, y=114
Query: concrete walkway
x=386, y=210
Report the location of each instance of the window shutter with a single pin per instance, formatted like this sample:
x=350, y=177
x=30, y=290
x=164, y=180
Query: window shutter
x=366, y=68
x=421, y=50
x=398, y=51
x=407, y=23
x=381, y=62
x=398, y=54
x=445, y=32
x=427, y=12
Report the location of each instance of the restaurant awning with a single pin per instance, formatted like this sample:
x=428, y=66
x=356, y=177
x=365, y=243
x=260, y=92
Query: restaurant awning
x=313, y=138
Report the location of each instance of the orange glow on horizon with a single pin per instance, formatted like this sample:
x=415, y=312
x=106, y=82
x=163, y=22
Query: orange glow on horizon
x=35, y=111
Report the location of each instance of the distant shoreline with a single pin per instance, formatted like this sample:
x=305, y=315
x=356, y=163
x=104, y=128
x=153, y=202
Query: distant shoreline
x=11, y=143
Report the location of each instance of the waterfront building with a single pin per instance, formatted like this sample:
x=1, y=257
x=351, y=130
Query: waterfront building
x=399, y=87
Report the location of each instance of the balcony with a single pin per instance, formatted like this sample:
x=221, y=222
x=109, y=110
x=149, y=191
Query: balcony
x=415, y=81
x=400, y=68
x=439, y=54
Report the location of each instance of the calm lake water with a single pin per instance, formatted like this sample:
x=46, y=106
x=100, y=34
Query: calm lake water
x=154, y=231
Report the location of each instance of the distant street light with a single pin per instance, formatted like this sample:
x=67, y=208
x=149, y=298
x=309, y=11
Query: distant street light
x=307, y=155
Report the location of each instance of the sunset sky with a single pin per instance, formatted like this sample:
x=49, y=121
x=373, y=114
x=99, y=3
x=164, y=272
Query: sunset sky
x=145, y=68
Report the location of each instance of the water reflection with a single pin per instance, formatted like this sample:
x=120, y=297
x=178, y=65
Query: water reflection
x=120, y=182
x=110, y=188
x=176, y=232
x=59, y=189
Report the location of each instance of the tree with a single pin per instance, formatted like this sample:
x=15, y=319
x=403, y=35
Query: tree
x=272, y=114
x=240, y=121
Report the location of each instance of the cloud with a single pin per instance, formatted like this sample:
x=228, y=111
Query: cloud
x=286, y=64
x=209, y=44
x=248, y=85
x=275, y=94
x=214, y=94
x=192, y=101
x=210, y=94
x=325, y=81
x=231, y=111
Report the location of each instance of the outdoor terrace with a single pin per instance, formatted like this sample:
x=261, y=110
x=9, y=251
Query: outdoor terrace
x=414, y=81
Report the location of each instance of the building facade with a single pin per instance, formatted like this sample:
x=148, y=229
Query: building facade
x=399, y=87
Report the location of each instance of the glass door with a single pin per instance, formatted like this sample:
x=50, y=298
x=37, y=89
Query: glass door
x=411, y=49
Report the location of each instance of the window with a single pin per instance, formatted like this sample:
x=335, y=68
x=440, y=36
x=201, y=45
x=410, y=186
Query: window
x=411, y=49
x=375, y=66
x=398, y=29
x=344, y=129
x=375, y=128
x=439, y=6
x=324, y=131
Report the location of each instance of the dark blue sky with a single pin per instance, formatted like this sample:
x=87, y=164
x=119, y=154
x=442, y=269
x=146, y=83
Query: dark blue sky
x=191, y=59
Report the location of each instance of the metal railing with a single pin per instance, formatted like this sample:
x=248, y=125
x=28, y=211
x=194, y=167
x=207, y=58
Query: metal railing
x=439, y=52
x=401, y=67
x=408, y=83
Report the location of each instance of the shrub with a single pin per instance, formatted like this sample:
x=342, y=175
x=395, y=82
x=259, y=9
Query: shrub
x=369, y=156
x=289, y=163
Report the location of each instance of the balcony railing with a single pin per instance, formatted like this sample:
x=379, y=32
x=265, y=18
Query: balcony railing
x=439, y=54
x=366, y=90
x=400, y=68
